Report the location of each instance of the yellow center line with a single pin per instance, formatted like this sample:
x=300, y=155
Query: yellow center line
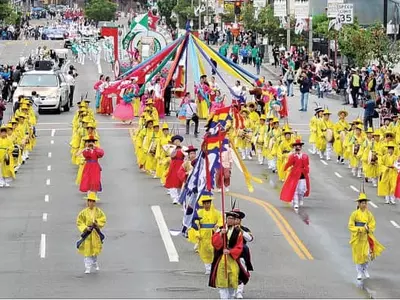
x=291, y=237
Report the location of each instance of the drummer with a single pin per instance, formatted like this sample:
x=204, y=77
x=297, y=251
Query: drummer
x=324, y=138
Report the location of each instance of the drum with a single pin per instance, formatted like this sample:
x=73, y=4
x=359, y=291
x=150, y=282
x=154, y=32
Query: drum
x=15, y=152
x=372, y=158
x=248, y=135
x=329, y=135
x=153, y=148
x=356, y=148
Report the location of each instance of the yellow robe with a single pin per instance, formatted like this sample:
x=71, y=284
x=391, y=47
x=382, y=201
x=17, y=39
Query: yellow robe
x=6, y=148
x=370, y=170
x=161, y=155
x=243, y=142
x=313, y=129
x=92, y=245
x=355, y=159
x=284, y=148
x=206, y=224
x=341, y=125
x=151, y=161
x=360, y=248
x=322, y=126
x=388, y=177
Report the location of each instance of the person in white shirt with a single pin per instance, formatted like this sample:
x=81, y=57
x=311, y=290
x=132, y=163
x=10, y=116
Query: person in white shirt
x=191, y=115
x=69, y=78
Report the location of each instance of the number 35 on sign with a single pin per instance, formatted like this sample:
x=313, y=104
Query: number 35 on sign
x=346, y=13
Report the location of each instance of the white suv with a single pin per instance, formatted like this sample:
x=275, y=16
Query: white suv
x=51, y=87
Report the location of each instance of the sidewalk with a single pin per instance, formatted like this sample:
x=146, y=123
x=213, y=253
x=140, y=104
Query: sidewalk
x=276, y=73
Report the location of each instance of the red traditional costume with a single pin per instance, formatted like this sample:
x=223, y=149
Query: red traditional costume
x=298, y=180
x=91, y=175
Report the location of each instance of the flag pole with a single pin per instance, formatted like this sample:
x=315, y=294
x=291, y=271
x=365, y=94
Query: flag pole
x=221, y=176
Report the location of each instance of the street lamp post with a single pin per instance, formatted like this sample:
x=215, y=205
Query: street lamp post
x=288, y=25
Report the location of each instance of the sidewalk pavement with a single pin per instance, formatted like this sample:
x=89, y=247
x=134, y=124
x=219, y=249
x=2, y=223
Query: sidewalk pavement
x=277, y=74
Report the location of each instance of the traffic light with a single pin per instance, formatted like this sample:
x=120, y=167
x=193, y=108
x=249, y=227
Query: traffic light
x=237, y=7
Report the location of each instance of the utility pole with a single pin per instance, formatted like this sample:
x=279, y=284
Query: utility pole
x=206, y=22
x=310, y=38
x=385, y=12
x=288, y=25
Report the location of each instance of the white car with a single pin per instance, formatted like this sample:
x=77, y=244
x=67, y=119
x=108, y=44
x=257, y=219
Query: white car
x=51, y=87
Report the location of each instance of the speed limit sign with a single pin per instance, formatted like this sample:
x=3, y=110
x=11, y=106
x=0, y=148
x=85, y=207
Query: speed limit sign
x=346, y=13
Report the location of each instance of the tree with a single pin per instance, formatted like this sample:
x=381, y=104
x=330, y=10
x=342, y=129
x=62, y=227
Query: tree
x=101, y=10
x=5, y=11
x=384, y=50
x=185, y=12
x=165, y=9
x=355, y=43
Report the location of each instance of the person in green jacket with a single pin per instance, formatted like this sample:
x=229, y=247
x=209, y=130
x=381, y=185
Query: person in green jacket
x=254, y=55
x=235, y=53
x=258, y=64
x=223, y=50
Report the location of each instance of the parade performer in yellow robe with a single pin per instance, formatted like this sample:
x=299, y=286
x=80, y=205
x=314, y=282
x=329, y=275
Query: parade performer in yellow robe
x=259, y=137
x=17, y=140
x=77, y=136
x=6, y=160
x=370, y=157
x=388, y=178
x=324, y=138
x=209, y=220
x=151, y=161
x=89, y=222
x=356, y=153
x=364, y=246
x=271, y=139
x=244, y=135
x=340, y=130
x=161, y=154
x=313, y=128
x=16, y=153
x=284, y=148
x=143, y=141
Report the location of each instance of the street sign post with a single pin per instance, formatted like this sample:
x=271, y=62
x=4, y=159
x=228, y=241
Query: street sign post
x=280, y=8
x=333, y=8
x=346, y=13
x=301, y=9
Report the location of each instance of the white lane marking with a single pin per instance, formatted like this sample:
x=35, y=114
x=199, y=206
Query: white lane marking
x=52, y=142
x=338, y=175
x=43, y=246
x=49, y=155
x=324, y=162
x=354, y=188
x=44, y=218
x=49, y=168
x=53, y=132
x=165, y=235
x=46, y=198
x=395, y=224
x=48, y=181
x=373, y=204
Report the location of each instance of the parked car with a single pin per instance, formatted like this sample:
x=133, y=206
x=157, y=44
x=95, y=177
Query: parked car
x=51, y=87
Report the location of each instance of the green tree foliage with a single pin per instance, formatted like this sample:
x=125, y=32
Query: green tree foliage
x=355, y=43
x=165, y=8
x=265, y=24
x=5, y=11
x=383, y=49
x=185, y=11
x=101, y=10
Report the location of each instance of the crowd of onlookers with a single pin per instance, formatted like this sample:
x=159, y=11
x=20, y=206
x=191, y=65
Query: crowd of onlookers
x=373, y=87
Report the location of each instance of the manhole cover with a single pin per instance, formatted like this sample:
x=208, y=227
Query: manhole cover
x=179, y=289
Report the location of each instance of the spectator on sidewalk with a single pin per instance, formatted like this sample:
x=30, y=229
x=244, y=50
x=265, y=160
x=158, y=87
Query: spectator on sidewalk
x=2, y=110
x=355, y=84
x=369, y=112
x=305, y=85
x=288, y=79
x=258, y=64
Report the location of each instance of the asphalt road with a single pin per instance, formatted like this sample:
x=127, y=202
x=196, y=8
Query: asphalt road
x=291, y=259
